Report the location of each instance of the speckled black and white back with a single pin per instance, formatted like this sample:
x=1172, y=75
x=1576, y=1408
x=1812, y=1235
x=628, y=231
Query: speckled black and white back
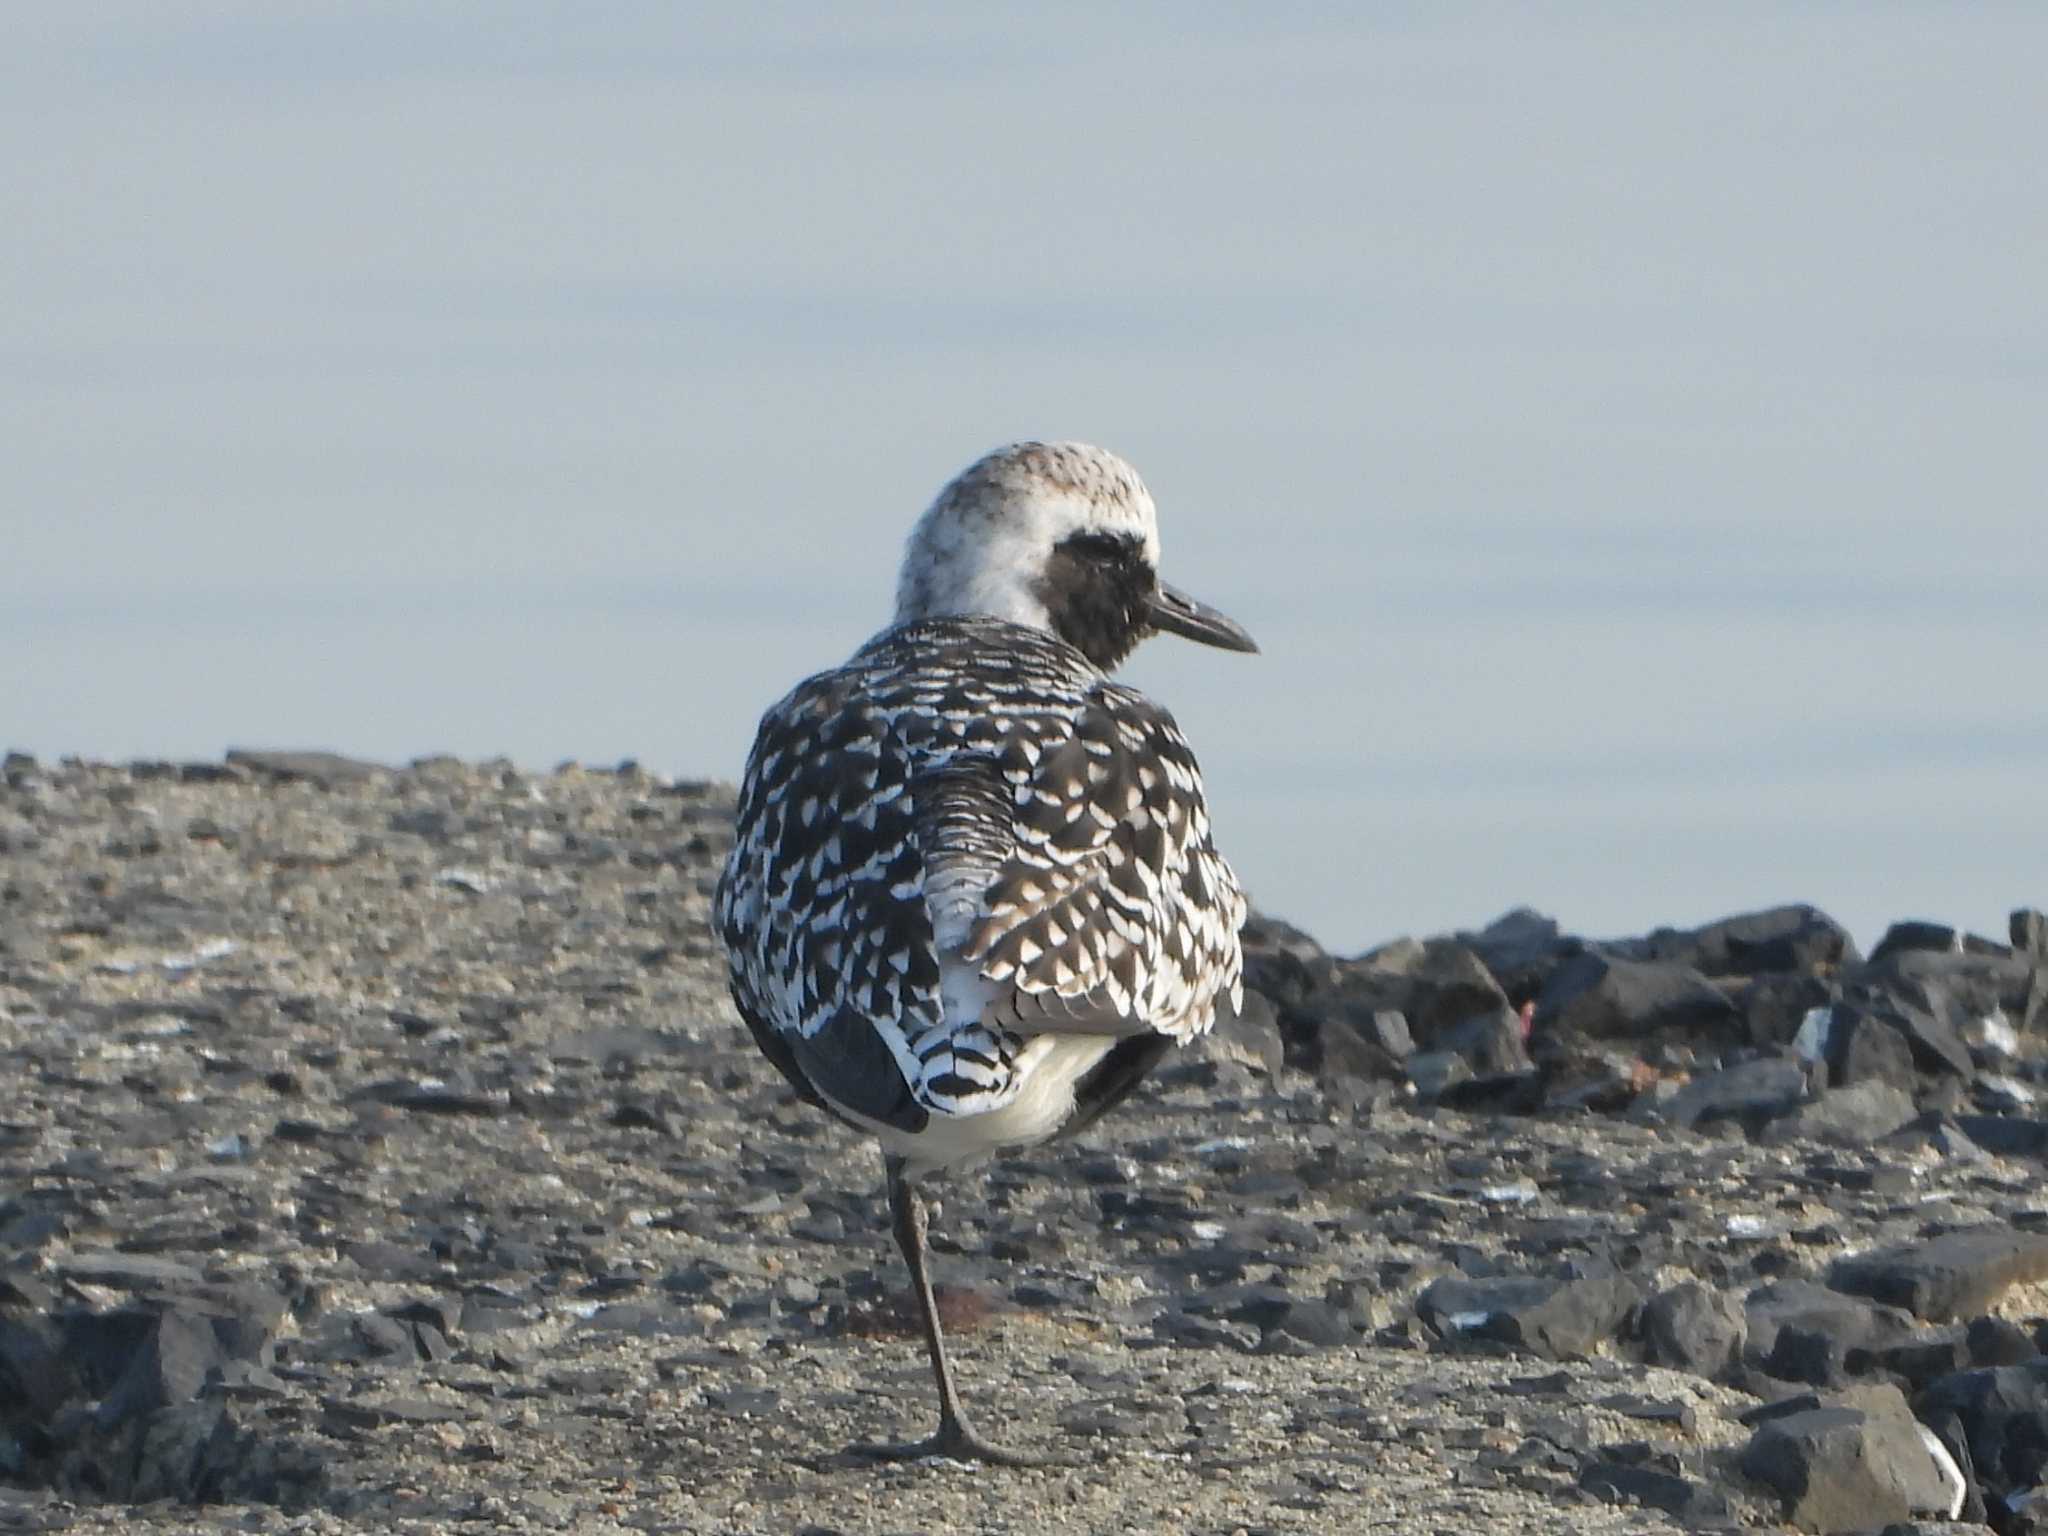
x=973, y=891
x=971, y=786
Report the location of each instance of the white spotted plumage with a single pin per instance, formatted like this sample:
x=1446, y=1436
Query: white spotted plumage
x=968, y=865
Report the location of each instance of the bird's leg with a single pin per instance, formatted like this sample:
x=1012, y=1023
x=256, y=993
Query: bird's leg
x=956, y=1437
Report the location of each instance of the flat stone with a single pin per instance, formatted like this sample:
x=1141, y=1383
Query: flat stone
x=1622, y=1483
x=1956, y=1275
x=1927, y=1356
x=1750, y=1092
x=1913, y=934
x=2006, y=1135
x=1672, y=1411
x=1603, y=997
x=1852, y=1116
x=1191, y=1331
x=326, y=769
x=358, y=1414
x=129, y=1271
x=1556, y=1318
x=1854, y=1321
x=1790, y=938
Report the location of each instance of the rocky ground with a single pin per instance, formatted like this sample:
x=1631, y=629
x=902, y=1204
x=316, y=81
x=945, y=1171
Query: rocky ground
x=379, y=1152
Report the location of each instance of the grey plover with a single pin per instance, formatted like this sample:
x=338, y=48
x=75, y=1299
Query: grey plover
x=973, y=896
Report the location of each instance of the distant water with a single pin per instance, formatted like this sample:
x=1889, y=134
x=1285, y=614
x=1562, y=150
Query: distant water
x=1621, y=425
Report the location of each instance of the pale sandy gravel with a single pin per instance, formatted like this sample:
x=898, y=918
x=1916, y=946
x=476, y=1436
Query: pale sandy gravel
x=695, y=1470
x=577, y=920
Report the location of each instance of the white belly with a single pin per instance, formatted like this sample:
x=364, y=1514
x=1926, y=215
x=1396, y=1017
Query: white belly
x=1047, y=1069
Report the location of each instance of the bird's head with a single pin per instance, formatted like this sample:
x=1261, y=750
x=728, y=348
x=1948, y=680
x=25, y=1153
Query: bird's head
x=1059, y=536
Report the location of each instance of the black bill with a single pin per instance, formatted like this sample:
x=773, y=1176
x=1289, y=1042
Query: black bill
x=1175, y=613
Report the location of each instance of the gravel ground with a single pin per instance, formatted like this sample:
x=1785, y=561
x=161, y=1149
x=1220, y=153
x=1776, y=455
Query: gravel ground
x=440, y=1061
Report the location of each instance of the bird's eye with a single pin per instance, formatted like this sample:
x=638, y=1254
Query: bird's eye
x=1105, y=547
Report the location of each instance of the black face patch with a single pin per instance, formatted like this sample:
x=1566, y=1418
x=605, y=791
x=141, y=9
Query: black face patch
x=1096, y=589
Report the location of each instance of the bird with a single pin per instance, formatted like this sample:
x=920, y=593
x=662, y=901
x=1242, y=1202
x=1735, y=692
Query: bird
x=973, y=896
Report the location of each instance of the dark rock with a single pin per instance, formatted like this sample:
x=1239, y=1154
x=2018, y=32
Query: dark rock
x=441, y=1312
x=1926, y=1356
x=1497, y=1093
x=1750, y=1092
x=1249, y=1036
x=1619, y=1482
x=1922, y=996
x=1861, y=1047
x=1672, y=1411
x=1389, y=1031
x=36, y=1378
x=2029, y=931
x=1779, y=1408
x=244, y=1379
x=1816, y=1356
x=1936, y=1045
x=631, y=1115
x=1492, y=1043
x=2001, y=1413
x=1941, y=1135
x=1433, y=1073
x=169, y=1368
x=1781, y=939
x=1273, y=1310
x=100, y=1346
x=1291, y=971
x=2005, y=1136
x=1857, y=1324
x=1195, y=1332
x=382, y=1336
x=349, y=1413
x=393, y=1261
x=1436, y=985
x=1995, y=1341
x=1965, y=985
x=1849, y=1468
x=1556, y=1318
x=1695, y=1328
x=1575, y=1077
x=1854, y=1116
x=1915, y=935
x=1520, y=948
x=1955, y=1275
x=1774, y=1005
x=1265, y=937
x=1602, y=997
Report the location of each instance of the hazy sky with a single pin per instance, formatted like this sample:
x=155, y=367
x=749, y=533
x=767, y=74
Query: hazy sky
x=1624, y=425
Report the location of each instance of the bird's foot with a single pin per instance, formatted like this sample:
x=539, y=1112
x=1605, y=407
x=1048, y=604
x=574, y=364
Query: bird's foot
x=961, y=1442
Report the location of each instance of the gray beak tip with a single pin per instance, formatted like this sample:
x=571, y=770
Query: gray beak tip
x=1175, y=613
